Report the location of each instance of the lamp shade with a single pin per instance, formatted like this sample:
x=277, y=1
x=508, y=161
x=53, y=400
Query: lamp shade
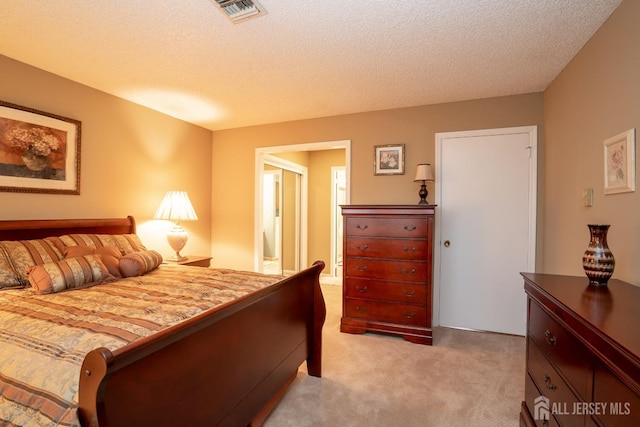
x=176, y=206
x=424, y=172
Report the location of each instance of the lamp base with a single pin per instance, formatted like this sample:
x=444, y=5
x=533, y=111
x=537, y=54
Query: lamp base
x=177, y=258
x=177, y=238
x=423, y=193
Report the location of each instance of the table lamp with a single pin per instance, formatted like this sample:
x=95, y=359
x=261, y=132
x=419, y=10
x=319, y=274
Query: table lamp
x=423, y=173
x=177, y=207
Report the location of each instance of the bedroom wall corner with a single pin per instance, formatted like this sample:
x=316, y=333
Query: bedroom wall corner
x=130, y=156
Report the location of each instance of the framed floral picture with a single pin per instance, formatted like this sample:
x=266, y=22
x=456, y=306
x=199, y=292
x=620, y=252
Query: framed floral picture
x=39, y=152
x=619, y=163
x=389, y=159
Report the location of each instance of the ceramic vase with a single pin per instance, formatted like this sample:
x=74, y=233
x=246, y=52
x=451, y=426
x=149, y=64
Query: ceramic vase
x=35, y=162
x=598, y=261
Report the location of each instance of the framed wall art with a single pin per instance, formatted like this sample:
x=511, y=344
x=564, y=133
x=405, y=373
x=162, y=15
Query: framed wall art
x=389, y=159
x=620, y=163
x=39, y=152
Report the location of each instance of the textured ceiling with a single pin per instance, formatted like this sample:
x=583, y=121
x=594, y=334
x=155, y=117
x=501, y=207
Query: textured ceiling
x=304, y=59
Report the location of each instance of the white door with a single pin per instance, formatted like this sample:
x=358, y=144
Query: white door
x=486, y=188
x=338, y=197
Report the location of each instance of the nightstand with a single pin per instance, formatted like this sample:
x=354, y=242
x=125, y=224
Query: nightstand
x=193, y=261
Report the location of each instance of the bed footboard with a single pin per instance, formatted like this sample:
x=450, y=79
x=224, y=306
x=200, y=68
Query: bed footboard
x=219, y=368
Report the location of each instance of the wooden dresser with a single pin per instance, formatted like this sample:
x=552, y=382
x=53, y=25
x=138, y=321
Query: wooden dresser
x=387, y=270
x=583, y=353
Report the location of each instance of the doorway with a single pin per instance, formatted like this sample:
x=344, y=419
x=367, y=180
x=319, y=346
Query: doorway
x=267, y=155
x=486, y=227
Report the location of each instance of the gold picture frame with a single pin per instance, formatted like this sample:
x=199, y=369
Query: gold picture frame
x=388, y=159
x=619, y=163
x=39, y=151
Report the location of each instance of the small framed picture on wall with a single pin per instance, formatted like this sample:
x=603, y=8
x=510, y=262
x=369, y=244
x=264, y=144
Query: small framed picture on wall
x=619, y=163
x=389, y=159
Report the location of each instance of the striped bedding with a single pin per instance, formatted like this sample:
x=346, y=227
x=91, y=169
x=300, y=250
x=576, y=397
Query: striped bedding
x=44, y=338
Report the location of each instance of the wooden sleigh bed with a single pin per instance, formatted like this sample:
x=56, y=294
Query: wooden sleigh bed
x=228, y=366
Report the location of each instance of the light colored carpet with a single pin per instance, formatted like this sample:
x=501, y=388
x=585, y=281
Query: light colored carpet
x=465, y=379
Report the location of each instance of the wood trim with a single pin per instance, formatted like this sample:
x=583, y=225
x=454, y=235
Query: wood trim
x=41, y=228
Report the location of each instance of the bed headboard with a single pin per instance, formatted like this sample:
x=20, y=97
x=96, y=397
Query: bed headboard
x=39, y=228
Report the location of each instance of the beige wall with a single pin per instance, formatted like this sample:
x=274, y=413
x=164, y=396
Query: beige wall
x=596, y=96
x=234, y=158
x=130, y=156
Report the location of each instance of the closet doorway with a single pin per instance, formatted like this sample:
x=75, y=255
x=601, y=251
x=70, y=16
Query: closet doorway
x=282, y=216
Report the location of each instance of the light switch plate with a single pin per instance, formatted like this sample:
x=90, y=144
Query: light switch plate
x=587, y=197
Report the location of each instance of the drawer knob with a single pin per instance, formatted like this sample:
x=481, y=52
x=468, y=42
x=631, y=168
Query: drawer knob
x=408, y=294
x=406, y=249
x=362, y=309
x=551, y=340
x=409, y=315
x=547, y=381
x=365, y=268
x=409, y=227
x=407, y=271
x=363, y=289
x=364, y=248
x=362, y=227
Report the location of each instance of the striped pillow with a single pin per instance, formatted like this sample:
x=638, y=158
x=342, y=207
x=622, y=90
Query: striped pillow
x=70, y=273
x=17, y=256
x=139, y=263
x=127, y=243
x=110, y=256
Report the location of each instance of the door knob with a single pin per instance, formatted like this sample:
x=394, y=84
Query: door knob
x=446, y=243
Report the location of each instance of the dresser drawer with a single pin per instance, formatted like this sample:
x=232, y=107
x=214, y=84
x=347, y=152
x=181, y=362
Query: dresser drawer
x=541, y=411
x=402, y=314
x=623, y=405
x=566, y=352
x=551, y=384
x=371, y=268
x=387, y=227
x=387, y=248
x=380, y=290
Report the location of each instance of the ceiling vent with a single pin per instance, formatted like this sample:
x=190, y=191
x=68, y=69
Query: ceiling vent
x=240, y=10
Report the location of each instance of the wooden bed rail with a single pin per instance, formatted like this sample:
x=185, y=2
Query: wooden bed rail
x=40, y=228
x=221, y=367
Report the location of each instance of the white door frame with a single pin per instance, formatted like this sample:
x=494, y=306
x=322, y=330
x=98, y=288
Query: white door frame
x=261, y=154
x=533, y=191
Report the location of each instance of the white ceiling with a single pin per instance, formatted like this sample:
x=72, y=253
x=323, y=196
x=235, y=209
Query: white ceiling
x=305, y=58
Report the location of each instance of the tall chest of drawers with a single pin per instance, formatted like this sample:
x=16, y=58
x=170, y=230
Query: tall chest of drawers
x=387, y=270
x=583, y=353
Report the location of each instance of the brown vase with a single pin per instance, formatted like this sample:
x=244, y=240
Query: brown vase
x=598, y=261
x=35, y=162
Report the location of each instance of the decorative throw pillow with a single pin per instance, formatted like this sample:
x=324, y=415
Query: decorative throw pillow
x=110, y=256
x=139, y=263
x=20, y=255
x=127, y=243
x=8, y=277
x=70, y=273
